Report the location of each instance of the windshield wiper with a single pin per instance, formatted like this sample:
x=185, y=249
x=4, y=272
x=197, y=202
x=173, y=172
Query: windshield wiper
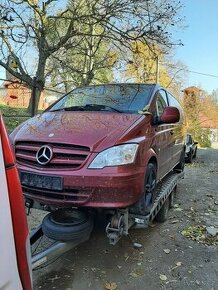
x=88, y=107
x=102, y=107
x=73, y=108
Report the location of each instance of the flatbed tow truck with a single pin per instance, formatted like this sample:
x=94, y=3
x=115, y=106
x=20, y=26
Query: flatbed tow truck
x=122, y=220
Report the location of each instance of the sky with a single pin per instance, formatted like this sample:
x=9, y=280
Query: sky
x=200, y=39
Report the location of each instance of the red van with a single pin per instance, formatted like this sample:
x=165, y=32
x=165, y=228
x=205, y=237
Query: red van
x=104, y=146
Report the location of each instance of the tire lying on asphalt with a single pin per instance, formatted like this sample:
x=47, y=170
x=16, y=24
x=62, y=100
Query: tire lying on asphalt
x=67, y=224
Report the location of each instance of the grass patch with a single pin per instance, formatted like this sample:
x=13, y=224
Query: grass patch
x=13, y=116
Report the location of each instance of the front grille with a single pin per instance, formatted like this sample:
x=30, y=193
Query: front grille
x=75, y=195
x=64, y=155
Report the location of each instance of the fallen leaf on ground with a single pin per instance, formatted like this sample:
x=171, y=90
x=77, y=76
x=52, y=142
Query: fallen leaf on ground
x=137, y=245
x=110, y=285
x=198, y=233
x=163, y=277
x=198, y=282
x=174, y=221
x=126, y=256
x=152, y=225
x=178, y=264
x=137, y=273
x=133, y=274
x=178, y=209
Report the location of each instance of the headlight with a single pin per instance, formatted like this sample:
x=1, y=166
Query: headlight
x=118, y=155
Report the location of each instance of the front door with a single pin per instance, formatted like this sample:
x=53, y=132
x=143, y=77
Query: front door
x=163, y=137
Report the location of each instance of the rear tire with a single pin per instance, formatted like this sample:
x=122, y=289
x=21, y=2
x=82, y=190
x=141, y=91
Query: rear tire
x=195, y=154
x=163, y=212
x=172, y=197
x=146, y=201
x=189, y=158
x=67, y=224
x=181, y=165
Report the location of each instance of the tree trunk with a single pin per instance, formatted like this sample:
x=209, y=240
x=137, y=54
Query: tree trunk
x=34, y=100
x=38, y=82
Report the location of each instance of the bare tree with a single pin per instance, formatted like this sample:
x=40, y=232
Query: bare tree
x=33, y=31
x=91, y=60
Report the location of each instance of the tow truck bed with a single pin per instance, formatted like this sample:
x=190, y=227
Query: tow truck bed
x=119, y=225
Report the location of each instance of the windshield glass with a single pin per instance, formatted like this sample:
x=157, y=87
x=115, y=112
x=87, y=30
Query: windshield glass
x=114, y=97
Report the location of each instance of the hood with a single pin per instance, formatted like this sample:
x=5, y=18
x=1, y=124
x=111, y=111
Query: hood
x=97, y=130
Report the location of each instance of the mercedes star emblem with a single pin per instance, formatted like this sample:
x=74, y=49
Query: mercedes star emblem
x=44, y=155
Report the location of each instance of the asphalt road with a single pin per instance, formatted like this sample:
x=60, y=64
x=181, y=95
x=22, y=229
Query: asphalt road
x=178, y=254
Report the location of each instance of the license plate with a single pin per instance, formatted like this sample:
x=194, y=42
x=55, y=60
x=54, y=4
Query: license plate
x=41, y=181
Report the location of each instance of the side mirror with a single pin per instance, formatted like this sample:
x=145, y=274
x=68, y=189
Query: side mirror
x=195, y=143
x=170, y=115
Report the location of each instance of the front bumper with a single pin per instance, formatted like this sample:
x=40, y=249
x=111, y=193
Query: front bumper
x=112, y=187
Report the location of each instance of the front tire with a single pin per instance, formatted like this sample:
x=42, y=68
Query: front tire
x=146, y=201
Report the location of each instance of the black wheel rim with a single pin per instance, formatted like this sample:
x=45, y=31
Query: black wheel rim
x=149, y=188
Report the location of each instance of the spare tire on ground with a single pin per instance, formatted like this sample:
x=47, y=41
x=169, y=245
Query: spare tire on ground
x=67, y=224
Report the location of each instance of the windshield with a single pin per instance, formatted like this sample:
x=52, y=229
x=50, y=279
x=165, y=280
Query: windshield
x=114, y=97
x=188, y=139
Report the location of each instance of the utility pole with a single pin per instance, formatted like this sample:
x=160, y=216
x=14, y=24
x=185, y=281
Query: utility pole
x=157, y=69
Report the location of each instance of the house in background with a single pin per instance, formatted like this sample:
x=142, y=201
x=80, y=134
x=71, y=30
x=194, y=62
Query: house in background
x=207, y=123
x=16, y=94
x=192, y=104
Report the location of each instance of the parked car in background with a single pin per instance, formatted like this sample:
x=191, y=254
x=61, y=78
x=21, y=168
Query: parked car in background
x=15, y=262
x=190, y=148
x=104, y=146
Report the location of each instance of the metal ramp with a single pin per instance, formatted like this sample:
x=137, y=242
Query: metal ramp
x=122, y=221
x=119, y=225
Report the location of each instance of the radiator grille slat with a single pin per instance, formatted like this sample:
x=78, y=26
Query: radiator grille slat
x=76, y=195
x=64, y=155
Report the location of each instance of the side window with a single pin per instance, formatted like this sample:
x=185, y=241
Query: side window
x=189, y=139
x=164, y=96
x=161, y=102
